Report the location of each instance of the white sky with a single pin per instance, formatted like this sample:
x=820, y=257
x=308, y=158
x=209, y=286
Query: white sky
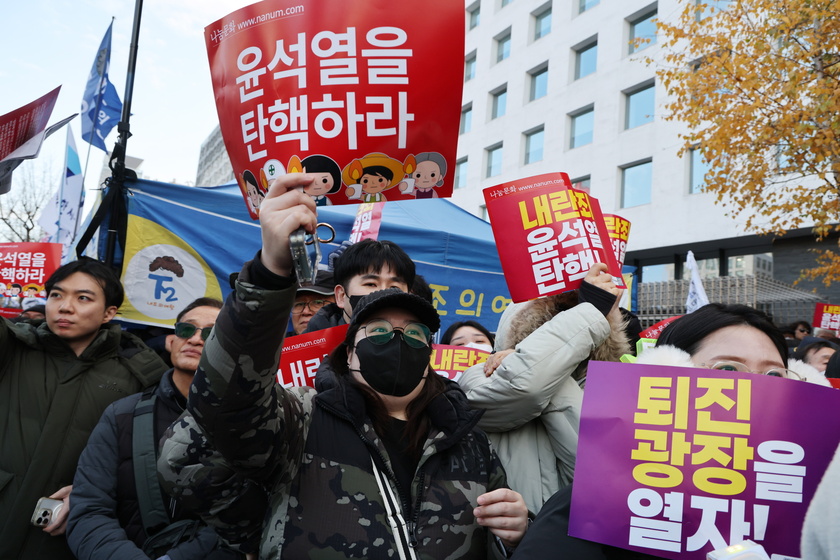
x=46, y=43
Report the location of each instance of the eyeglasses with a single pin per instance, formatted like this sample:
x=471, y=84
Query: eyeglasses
x=187, y=330
x=738, y=366
x=802, y=330
x=380, y=331
x=314, y=305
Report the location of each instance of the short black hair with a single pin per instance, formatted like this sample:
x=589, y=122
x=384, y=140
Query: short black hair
x=200, y=302
x=450, y=332
x=688, y=332
x=796, y=324
x=803, y=351
x=104, y=275
x=371, y=255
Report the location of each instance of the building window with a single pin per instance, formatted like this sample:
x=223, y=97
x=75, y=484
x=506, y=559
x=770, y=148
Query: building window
x=587, y=5
x=466, y=119
x=504, y=3
x=474, y=15
x=534, y=145
x=542, y=23
x=586, y=59
x=461, y=167
x=484, y=215
x=698, y=169
x=498, y=106
x=708, y=8
x=582, y=183
x=636, y=184
x=494, y=161
x=642, y=32
x=639, y=106
x=469, y=67
x=539, y=83
x=503, y=46
x=583, y=126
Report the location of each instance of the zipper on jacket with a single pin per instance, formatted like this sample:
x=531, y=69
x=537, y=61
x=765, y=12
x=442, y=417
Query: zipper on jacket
x=412, y=525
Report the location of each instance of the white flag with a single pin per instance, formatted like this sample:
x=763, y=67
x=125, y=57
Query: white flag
x=60, y=217
x=697, y=297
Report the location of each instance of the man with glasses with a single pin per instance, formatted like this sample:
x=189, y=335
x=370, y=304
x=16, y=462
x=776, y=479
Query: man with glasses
x=309, y=300
x=111, y=516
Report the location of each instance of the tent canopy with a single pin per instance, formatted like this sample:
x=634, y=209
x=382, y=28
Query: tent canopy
x=184, y=242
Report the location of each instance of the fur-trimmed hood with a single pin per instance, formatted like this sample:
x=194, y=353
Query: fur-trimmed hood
x=521, y=319
x=667, y=355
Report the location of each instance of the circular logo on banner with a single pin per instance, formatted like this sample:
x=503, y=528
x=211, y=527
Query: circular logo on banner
x=164, y=276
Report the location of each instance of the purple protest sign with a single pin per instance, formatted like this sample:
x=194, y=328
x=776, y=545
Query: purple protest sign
x=676, y=462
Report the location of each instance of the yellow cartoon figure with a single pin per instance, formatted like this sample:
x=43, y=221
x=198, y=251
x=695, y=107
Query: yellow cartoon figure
x=373, y=173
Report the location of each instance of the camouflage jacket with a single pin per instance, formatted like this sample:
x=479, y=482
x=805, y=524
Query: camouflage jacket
x=313, y=453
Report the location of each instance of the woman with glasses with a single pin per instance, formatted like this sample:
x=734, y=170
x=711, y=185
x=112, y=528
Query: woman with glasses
x=387, y=463
x=729, y=337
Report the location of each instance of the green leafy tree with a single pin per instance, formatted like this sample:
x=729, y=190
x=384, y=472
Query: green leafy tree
x=756, y=81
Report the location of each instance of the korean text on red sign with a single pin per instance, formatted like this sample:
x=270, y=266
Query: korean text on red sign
x=695, y=460
x=557, y=230
x=366, y=98
x=24, y=269
x=827, y=316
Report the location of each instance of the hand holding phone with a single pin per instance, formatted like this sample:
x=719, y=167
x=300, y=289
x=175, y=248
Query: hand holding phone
x=46, y=510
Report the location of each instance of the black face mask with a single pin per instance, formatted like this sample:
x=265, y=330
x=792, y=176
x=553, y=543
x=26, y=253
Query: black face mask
x=354, y=301
x=393, y=368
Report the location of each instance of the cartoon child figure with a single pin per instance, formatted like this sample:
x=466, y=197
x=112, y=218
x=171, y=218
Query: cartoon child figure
x=429, y=171
x=30, y=295
x=252, y=192
x=374, y=173
x=12, y=299
x=327, y=176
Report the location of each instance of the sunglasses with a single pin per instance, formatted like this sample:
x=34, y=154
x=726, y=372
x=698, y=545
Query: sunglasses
x=380, y=331
x=187, y=330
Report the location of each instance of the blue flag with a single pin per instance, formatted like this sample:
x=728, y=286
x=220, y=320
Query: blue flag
x=101, y=106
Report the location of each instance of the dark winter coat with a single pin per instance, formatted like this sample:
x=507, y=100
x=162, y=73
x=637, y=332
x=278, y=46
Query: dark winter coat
x=50, y=400
x=105, y=520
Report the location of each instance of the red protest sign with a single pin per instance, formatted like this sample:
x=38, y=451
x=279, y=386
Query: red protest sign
x=619, y=231
x=452, y=361
x=557, y=230
x=302, y=354
x=367, y=222
x=655, y=330
x=24, y=268
x=367, y=98
x=827, y=316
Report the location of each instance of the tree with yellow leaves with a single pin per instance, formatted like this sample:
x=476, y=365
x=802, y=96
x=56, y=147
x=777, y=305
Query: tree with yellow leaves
x=756, y=81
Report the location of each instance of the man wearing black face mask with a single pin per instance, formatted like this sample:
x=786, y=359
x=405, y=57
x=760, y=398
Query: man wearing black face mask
x=362, y=268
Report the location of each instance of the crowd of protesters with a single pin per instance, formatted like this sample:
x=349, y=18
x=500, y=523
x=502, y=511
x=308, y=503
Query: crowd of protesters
x=211, y=458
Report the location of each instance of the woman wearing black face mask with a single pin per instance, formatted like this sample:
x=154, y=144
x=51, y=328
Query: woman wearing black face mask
x=386, y=463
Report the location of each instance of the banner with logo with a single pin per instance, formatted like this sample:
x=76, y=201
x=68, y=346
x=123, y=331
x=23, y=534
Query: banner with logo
x=827, y=316
x=24, y=269
x=548, y=235
x=676, y=462
x=365, y=95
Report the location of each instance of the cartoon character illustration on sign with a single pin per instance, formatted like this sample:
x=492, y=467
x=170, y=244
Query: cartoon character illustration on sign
x=12, y=299
x=328, y=176
x=252, y=191
x=168, y=264
x=429, y=169
x=30, y=295
x=374, y=173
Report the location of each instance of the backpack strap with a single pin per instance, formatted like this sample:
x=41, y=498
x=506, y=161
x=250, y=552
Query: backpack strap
x=144, y=455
